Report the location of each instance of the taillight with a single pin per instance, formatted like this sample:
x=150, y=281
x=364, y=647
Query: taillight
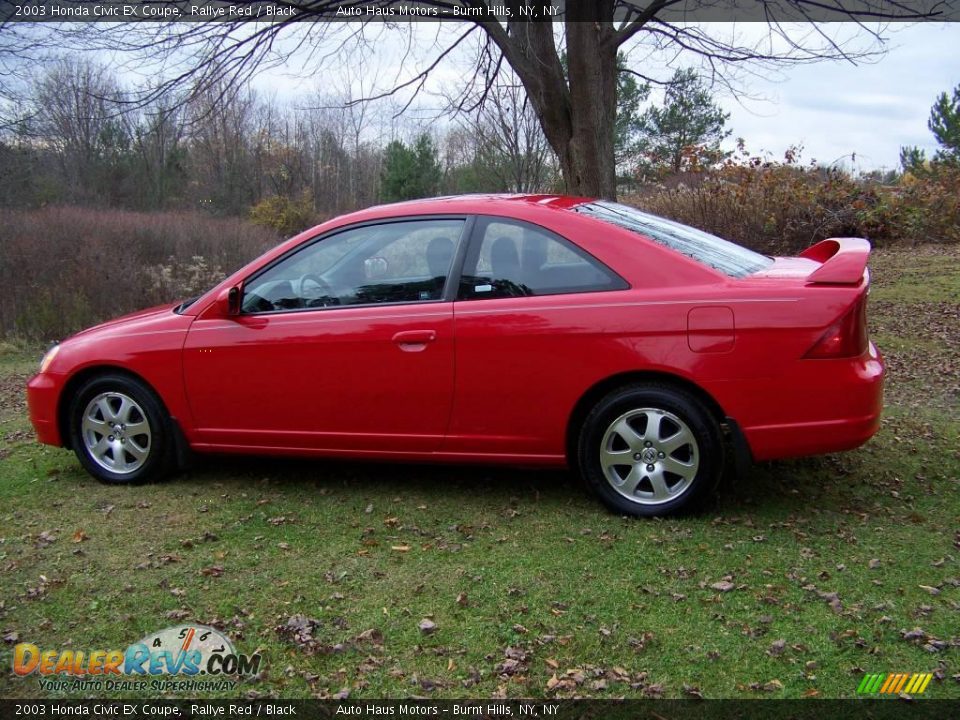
x=847, y=337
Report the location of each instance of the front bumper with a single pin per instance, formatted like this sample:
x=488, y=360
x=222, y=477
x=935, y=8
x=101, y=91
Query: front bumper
x=43, y=390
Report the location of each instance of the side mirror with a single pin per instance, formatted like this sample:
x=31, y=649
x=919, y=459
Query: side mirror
x=228, y=302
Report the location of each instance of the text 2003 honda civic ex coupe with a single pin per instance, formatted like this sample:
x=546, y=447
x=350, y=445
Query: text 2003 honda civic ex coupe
x=528, y=330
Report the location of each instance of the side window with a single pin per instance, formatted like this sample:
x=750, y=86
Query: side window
x=514, y=259
x=407, y=261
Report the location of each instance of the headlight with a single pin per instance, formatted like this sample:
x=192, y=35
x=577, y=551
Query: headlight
x=48, y=358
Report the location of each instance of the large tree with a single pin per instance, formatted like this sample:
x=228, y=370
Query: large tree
x=577, y=108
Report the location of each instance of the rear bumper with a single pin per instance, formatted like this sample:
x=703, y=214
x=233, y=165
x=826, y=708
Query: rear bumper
x=42, y=393
x=837, y=406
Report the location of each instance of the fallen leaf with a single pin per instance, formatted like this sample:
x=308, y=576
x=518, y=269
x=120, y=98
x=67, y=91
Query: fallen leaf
x=723, y=586
x=79, y=536
x=372, y=635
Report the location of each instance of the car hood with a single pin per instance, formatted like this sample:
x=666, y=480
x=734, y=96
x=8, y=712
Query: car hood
x=142, y=320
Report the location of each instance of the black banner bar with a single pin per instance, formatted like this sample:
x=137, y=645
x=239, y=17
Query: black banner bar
x=459, y=10
x=874, y=709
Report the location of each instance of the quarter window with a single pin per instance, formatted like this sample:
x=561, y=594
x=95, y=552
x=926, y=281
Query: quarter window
x=399, y=262
x=515, y=259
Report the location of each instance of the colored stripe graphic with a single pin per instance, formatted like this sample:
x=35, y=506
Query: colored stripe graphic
x=894, y=683
x=901, y=681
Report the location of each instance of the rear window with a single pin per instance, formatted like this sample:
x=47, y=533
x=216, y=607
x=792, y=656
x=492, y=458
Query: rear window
x=723, y=255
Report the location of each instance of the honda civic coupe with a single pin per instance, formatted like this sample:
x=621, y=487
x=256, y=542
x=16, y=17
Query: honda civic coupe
x=528, y=330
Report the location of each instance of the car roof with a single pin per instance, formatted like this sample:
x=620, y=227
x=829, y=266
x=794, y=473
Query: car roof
x=508, y=204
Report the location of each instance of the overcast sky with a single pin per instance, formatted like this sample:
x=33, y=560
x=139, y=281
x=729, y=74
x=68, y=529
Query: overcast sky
x=834, y=109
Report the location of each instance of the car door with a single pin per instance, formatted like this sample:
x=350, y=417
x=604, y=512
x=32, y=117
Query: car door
x=532, y=335
x=343, y=345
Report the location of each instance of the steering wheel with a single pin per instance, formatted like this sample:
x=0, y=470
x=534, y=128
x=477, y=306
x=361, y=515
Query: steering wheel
x=321, y=295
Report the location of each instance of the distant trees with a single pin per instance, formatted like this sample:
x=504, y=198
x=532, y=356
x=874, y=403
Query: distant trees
x=81, y=140
x=80, y=120
x=686, y=130
x=501, y=145
x=410, y=171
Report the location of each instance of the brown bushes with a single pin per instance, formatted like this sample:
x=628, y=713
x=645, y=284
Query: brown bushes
x=65, y=268
x=783, y=207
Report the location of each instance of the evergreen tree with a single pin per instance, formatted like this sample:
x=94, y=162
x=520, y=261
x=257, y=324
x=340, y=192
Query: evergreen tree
x=410, y=172
x=944, y=123
x=686, y=131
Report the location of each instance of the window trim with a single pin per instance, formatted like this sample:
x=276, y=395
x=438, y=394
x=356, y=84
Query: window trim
x=462, y=241
x=471, y=254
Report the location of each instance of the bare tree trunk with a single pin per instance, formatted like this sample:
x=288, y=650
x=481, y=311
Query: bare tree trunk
x=590, y=165
x=578, y=118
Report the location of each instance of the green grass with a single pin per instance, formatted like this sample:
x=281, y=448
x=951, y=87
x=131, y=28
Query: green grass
x=544, y=569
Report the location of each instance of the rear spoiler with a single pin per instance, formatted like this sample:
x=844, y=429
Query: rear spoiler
x=843, y=261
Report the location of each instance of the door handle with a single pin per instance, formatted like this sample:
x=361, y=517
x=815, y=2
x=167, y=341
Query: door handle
x=414, y=340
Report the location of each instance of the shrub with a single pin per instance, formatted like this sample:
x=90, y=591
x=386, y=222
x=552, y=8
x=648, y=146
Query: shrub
x=784, y=207
x=287, y=216
x=64, y=268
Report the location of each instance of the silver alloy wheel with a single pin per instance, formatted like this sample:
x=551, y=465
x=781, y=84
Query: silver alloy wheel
x=650, y=456
x=116, y=433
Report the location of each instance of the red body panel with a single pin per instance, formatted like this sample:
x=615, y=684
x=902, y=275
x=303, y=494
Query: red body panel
x=496, y=380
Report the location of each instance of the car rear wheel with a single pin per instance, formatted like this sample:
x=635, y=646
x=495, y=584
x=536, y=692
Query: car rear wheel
x=119, y=430
x=650, y=450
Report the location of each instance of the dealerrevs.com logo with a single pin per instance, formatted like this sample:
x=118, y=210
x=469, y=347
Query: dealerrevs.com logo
x=180, y=658
x=894, y=683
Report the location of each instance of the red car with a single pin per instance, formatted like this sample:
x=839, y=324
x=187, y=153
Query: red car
x=532, y=330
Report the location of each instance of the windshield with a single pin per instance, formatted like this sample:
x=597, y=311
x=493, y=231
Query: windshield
x=723, y=255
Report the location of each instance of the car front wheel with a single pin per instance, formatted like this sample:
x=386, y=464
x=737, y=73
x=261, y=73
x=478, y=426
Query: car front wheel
x=651, y=450
x=119, y=430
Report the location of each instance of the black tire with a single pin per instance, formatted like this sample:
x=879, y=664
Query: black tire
x=149, y=408
x=660, y=408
